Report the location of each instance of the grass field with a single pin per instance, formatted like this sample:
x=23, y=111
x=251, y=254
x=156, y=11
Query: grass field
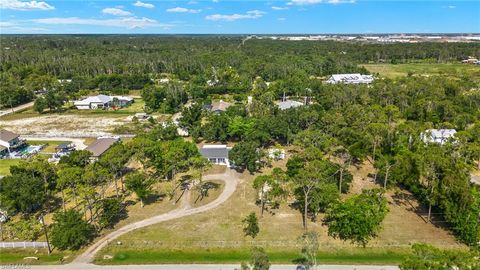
x=397, y=70
x=5, y=165
x=196, y=199
x=16, y=256
x=220, y=232
x=231, y=255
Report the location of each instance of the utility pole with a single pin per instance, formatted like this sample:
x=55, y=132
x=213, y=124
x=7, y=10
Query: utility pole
x=42, y=221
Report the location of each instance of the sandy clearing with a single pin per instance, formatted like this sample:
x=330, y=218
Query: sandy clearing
x=65, y=125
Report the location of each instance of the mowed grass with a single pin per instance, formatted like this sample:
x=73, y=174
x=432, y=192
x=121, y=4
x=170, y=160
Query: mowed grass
x=232, y=255
x=16, y=256
x=197, y=200
x=220, y=232
x=5, y=165
x=425, y=69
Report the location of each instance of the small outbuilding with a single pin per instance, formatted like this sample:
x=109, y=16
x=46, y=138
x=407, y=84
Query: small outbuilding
x=100, y=146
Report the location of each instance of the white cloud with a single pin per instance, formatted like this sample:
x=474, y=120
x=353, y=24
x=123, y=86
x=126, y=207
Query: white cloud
x=144, y=5
x=215, y=1
x=279, y=8
x=116, y=12
x=20, y=5
x=314, y=2
x=183, y=10
x=281, y=19
x=128, y=22
x=252, y=14
x=451, y=6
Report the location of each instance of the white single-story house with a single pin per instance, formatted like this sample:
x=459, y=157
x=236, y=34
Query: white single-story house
x=288, y=104
x=103, y=102
x=216, y=153
x=355, y=78
x=218, y=107
x=439, y=136
x=10, y=141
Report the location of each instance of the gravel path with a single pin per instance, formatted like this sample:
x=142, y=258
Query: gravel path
x=16, y=109
x=230, y=178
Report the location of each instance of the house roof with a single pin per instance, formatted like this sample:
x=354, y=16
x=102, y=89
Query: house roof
x=215, y=151
x=285, y=105
x=98, y=147
x=94, y=99
x=7, y=136
x=441, y=133
x=220, y=106
x=353, y=77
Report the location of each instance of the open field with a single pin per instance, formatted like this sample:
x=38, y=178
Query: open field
x=16, y=256
x=65, y=125
x=397, y=70
x=5, y=165
x=197, y=200
x=233, y=255
x=220, y=232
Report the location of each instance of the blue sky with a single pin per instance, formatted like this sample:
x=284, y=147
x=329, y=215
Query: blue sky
x=237, y=17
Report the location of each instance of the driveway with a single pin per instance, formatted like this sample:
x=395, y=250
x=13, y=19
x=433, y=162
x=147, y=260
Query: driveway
x=230, y=178
x=16, y=109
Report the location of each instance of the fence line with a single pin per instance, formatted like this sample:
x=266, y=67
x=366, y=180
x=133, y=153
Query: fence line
x=23, y=245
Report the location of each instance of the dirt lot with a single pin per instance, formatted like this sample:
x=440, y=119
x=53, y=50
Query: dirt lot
x=68, y=125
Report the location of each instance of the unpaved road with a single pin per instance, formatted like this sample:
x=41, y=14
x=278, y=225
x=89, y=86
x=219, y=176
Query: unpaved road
x=16, y=109
x=229, y=177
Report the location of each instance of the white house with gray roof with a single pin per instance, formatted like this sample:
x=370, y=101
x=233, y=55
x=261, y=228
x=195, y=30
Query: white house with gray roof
x=288, y=104
x=102, y=102
x=10, y=141
x=355, y=78
x=216, y=153
x=440, y=136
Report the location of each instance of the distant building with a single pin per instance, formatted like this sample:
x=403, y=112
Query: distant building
x=356, y=78
x=216, y=153
x=9, y=141
x=103, y=102
x=440, y=136
x=100, y=146
x=218, y=107
x=288, y=104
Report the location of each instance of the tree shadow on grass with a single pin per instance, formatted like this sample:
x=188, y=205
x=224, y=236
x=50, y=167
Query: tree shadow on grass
x=204, y=190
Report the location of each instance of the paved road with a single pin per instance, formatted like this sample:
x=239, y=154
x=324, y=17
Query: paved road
x=230, y=178
x=79, y=143
x=16, y=109
x=201, y=267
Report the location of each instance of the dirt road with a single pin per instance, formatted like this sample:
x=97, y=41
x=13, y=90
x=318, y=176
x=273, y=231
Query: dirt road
x=230, y=178
x=16, y=109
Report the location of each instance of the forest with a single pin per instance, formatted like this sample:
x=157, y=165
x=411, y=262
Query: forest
x=381, y=123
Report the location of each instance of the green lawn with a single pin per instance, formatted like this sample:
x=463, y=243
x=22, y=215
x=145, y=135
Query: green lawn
x=16, y=256
x=5, y=165
x=397, y=70
x=162, y=256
